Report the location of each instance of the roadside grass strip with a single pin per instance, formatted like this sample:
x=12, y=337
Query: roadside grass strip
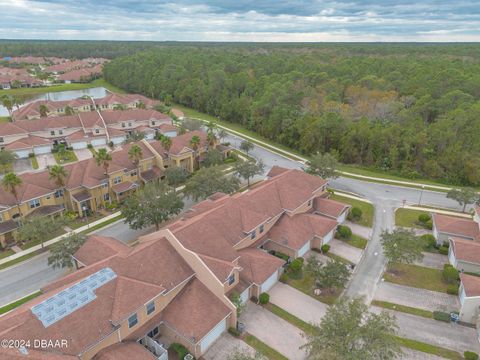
x=6, y=308
x=402, y=308
x=366, y=207
x=416, y=276
x=292, y=319
x=263, y=348
x=429, y=349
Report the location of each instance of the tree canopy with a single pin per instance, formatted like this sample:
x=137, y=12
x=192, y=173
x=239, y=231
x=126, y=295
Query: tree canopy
x=401, y=246
x=208, y=181
x=62, y=251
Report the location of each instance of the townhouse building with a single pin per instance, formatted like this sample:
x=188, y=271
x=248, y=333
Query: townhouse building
x=176, y=284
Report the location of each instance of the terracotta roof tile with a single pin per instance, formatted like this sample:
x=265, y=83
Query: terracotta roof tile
x=456, y=226
x=329, y=207
x=471, y=284
x=125, y=351
x=466, y=250
x=258, y=265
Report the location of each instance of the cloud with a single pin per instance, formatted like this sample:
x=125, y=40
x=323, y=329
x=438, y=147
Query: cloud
x=246, y=20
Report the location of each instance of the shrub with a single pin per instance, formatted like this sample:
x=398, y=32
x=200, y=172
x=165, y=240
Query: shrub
x=179, y=349
x=325, y=248
x=445, y=266
x=110, y=144
x=234, y=331
x=229, y=160
x=355, y=213
x=284, y=278
x=343, y=232
x=450, y=274
x=443, y=250
x=428, y=225
x=441, y=316
x=296, y=265
x=446, y=244
x=90, y=146
x=254, y=299
x=452, y=289
x=31, y=155
x=264, y=298
x=470, y=355
x=423, y=218
x=428, y=241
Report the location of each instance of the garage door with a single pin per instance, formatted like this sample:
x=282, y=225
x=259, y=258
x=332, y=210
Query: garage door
x=79, y=145
x=304, y=249
x=149, y=136
x=170, y=133
x=118, y=140
x=341, y=218
x=97, y=142
x=42, y=150
x=328, y=237
x=267, y=284
x=244, y=296
x=213, y=335
x=22, y=154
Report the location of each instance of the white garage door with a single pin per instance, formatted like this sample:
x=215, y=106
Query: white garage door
x=118, y=140
x=97, y=142
x=244, y=296
x=22, y=154
x=149, y=136
x=79, y=145
x=42, y=149
x=341, y=218
x=170, y=133
x=267, y=284
x=328, y=237
x=213, y=335
x=304, y=249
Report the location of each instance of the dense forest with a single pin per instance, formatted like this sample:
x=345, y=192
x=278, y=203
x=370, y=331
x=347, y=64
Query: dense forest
x=409, y=109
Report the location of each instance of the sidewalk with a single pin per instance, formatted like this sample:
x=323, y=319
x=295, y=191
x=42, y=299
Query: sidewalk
x=439, y=211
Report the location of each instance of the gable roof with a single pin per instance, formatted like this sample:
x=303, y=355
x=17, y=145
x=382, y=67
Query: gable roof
x=471, y=284
x=466, y=250
x=329, y=207
x=258, y=265
x=456, y=226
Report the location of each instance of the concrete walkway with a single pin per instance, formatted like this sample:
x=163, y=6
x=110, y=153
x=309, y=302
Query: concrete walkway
x=225, y=346
x=274, y=331
x=409, y=354
x=349, y=252
x=439, y=211
x=434, y=261
x=297, y=303
x=417, y=298
x=447, y=335
x=359, y=230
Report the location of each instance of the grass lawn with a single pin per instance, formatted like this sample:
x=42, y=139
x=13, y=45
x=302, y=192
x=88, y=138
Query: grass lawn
x=30, y=244
x=416, y=276
x=402, y=308
x=81, y=221
x=338, y=258
x=66, y=157
x=356, y=241
x=305, y=284
x=4, y=119
x=99, y=226
x=292, y=319
x=408, y=218
x=6, y=253
x=263, y=348
x=429, y=349
x=366, y=207
x=34, y=162
x=19, y=302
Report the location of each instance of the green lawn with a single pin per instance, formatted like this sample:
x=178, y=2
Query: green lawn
x=292, y=319
x=356, y=241
x=67, y=156
x=406, y=309
x=99, y=226
x=429, y=349
x=408, y=218
x=34, y=162
x=4, y=119
x=305, y=284
x=263, y=348
x=416, y=276
x=30, y=244
x=366, y=207
x=19, y=302
x=6, y=253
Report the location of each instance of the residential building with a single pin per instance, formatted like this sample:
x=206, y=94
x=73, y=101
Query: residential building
x=469, y=295
x=82, y=75
x=445, y=227
x=175, y=285
x=464, y=255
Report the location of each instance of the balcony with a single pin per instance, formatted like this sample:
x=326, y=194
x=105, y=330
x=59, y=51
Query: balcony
x=155, y=348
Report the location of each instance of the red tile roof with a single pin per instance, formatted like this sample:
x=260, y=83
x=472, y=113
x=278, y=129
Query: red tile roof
x=125, y=351
x=456, y=226
x=258, y=265
x=471, y=284
x=466, y=250
x=329, y=207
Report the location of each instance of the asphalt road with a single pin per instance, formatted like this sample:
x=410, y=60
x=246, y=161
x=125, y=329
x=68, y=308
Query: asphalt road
x=33, y=274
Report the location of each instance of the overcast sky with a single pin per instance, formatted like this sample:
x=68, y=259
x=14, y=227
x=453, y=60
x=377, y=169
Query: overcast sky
x=242, y=20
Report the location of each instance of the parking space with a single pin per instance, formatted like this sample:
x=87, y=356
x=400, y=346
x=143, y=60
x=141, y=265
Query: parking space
x=83, y=154
x=225, y=346
x=22, y=165
x=46, y=160
x=360, y=230
x=415, y=297
x=434, y=261
x=345, y=251
x=274, y=331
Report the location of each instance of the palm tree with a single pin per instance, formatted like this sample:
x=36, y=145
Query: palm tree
x=103, y=158
x=166, y=143
x=195, y=143
x=222, y=134
x=211, y=138
x=69, y=110
x=58, y=174
x=43, y=109
x=8, y=103
x=10, y=183
x=17, y=101
x=135, y=154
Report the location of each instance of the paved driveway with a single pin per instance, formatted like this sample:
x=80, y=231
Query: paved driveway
x=434, y=261
x=45, y=160
x=22, y=165
x=349, y=252
x=447, y=335
x=274, y=331
x=83, y=154
x=225, y=346
x=418, y=298
x=360, y=230
x=297, y=303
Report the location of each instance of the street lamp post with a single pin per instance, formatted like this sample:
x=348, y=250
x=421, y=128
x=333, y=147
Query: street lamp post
x=421, y=194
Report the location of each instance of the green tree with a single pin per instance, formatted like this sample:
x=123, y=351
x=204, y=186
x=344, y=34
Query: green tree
x=7, y=102
x=152, y=205
x=208, y=181
x=237, y=301
x=43, y=110
x=348, y=331
x=464, y=196
x=213, y=157
x=221, y=134
x=246, y=146
x=135, y=154
x=191, y=124
x=103, y=159
x=248, y=169
x=6, y=160
x=323, y=165
x=195, y=143
x=175, y=176
x=10, y=183
x=166, y=142
x=38, y=229
x=333, y=274
x=401, y=246
x=58, y=174
x=69, y=110
x=61, y=252
x=134, y=136
x=211, y=138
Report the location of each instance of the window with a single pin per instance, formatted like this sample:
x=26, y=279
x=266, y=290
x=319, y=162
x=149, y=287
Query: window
x=1, y=139
x=262, y=227
x=34, y=203
x=60, y=132
x=58, y=193
x=129, y=124
x=97, y=131
x=154, y=332
x=106, y=196
x=153, y=123
x=253, y=234
x=133, y=173
x=231, y=279
x=117, y=180
x=52, y=132
x=150, y=307
x=123, y=124
x=132, y=321
x=309, y=202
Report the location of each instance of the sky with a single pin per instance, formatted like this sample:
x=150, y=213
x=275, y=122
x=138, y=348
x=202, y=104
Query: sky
x=242, y=20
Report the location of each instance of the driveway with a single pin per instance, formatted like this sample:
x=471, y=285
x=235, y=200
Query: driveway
x=225, y=346
x=447, y=335
x=360, y=230
x=22, y=165
x=45, y=160
x=297, y=303
x=274, y=331
x=417, y=298
x=434, y=261
x=83, y=154
x=342, y=249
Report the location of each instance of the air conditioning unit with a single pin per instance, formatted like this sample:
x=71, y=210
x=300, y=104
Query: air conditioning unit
x=188, y=357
